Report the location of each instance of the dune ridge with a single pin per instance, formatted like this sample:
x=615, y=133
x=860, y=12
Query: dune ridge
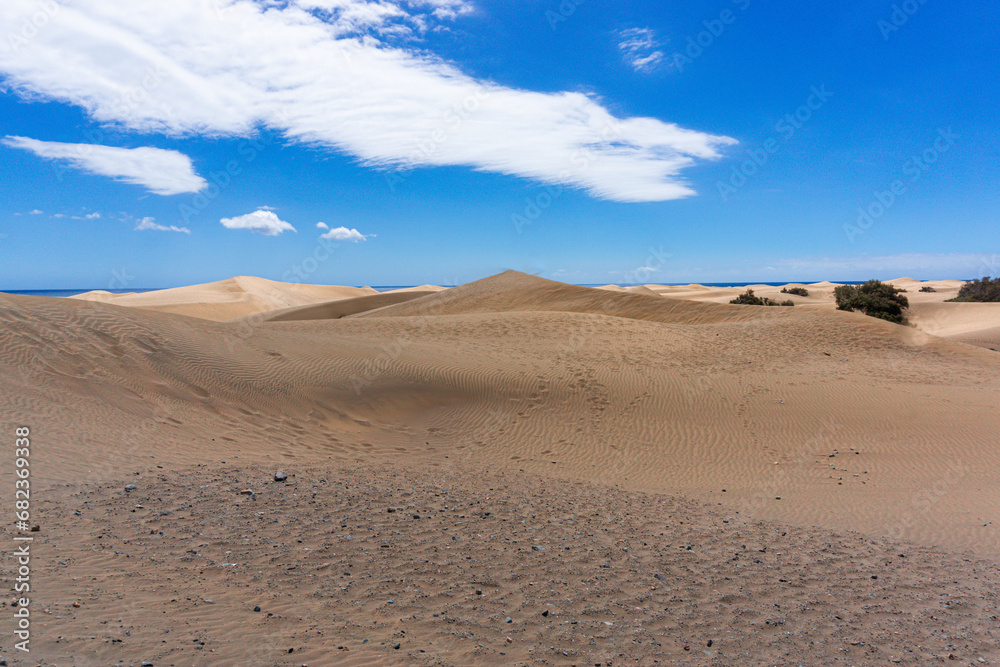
x=229, y=299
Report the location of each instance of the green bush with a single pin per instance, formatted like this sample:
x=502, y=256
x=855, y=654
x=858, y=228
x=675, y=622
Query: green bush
x=927, y=288
x=748, y=299
x=799, y=291
x=875, y=299
x=985, y=290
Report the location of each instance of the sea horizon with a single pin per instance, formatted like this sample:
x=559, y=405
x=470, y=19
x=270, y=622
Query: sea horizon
x=74, y=291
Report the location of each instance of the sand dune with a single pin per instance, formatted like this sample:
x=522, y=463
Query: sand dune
x=970, y=323
x=331, y=310
x=229, y=299
x=245, y=296
x=512, y=291
x=833, y=427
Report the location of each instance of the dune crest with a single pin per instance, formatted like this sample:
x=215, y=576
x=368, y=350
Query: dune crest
x=229, y=299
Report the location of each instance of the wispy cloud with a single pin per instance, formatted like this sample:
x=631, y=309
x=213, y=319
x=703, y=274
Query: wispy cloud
x=150, y=224
x=639, y=48
x=260, y=221
x=36, y=212
x=383, y=18
x=160, y=171
x=345, y=234
x=884, y=267
x=300, y=68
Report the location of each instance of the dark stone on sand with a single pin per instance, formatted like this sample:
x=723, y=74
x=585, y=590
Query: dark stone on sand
x=256, y=607
x=130, y=487
x=280, y=476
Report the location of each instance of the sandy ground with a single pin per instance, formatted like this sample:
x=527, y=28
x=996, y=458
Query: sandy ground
x=620, y=426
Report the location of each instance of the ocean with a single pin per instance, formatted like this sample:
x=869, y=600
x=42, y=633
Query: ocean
x=386, y=288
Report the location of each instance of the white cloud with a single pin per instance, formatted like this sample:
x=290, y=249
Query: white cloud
x=92, y=216
x=187, y=67
x=638, y=47
x=322, y=225
x=36, y=212
x=160, y=171
x=345, y=234
x=59, y=215
x=150, y=224
x=404, y=18
x=260, y=221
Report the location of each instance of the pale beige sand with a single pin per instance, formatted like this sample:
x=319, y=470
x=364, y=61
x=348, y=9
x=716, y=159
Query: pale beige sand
x=331, y=310
x=854, y=423
x=973, y=323
x=419, y=288
x=387, y=565
x=229, y=299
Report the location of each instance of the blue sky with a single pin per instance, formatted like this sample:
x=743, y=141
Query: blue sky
x=440, y=141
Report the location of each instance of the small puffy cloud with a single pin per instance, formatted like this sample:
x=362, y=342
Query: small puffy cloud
x=59, y=215
x=322, y=225
x=92, y=216
x=260, y=221
x=148, y=223
x=638, y=47
x=160, y=171
x=36, y=212
x=345, y=234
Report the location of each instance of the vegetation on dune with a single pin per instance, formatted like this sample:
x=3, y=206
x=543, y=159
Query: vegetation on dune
x=985, y=290
x=875, y=299
x=748, y=299
x=927, y=288
x=800, y=291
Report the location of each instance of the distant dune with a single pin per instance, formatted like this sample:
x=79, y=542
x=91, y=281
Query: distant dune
x=229, y=299
x=331, y=310
x=243, y=296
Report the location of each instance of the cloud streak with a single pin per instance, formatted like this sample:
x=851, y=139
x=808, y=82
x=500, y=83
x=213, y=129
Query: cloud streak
x=638, y=47
x=301, y=68
x=150, y=224
x=160, y=171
